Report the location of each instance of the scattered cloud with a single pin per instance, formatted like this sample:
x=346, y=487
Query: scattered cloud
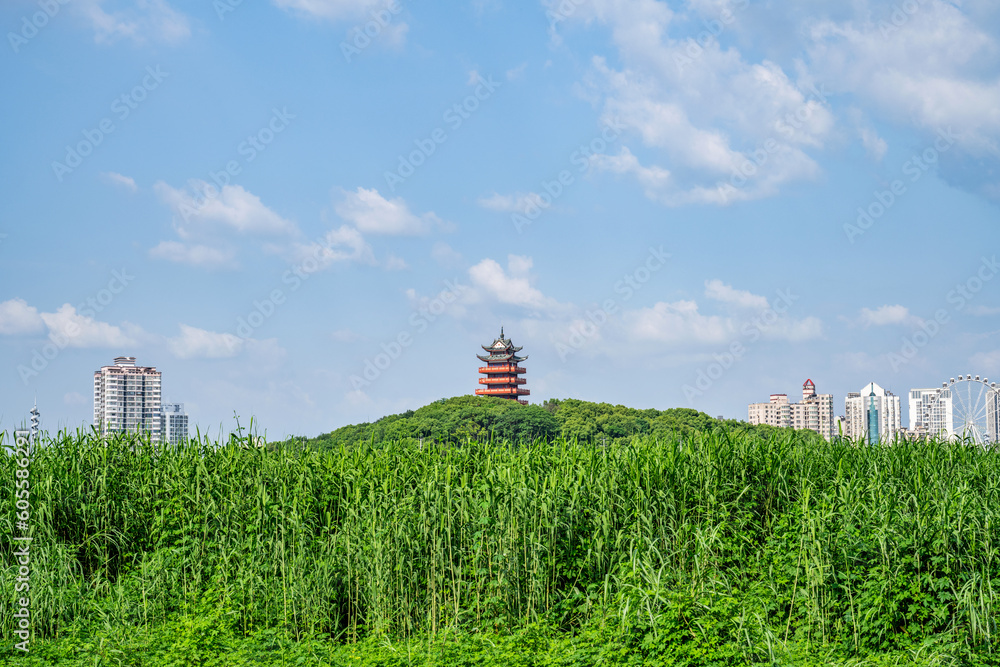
x=332, y=10
x=344, y=244
x=516, y=73
x=678, y=322
x=203, y=206
x=194, y=343
x=682, y=322
x=392, y=29
x=86, y=332
x=142, y=21
x=18, y=318
x=926, y=72
x=65, y=325
x=717, y=290
x=887, y=315
x=513, y=286
x=194, y=254
x=117, y=179
x=515, y=203
x=371, y=213
x=445, y=255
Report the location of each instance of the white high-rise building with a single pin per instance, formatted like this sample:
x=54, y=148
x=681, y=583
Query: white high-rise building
x=127, y=398
x=815, y=412
x=872, y=414
x=173, y=423
x=931, y=412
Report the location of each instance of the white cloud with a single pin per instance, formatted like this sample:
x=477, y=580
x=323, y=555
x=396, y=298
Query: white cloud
x=678, y=322
x=983, y=311
x=232, y=207
x=345, y=244
x=717, y=290
x=682, y=322
x=194, y=343
x=371, y=213
x=142, y=21
x=65, y=326
x=196, y=255
x=887, y=315
x=515, y=203
x=17, y=318
x=123, y=181
x=445, y=255
x=516, y=73
x=512, y=286
x=927, y=71
x=83, y=332
x=705, y=113
x=393, y=263
x=334, y=10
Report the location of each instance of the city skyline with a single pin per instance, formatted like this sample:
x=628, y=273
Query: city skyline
x=871, y=409
x=667, y=204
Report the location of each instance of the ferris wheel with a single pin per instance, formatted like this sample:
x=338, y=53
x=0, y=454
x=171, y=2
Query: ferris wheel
x=966, y=408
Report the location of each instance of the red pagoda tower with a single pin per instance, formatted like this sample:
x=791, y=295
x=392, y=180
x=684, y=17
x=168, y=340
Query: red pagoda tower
x=502, y=371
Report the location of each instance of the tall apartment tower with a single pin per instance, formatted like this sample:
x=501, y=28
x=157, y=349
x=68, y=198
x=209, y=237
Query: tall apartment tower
x=173, y=423
x=815, y=412
x=931, y=412
x=127, y=398
x=872, y=414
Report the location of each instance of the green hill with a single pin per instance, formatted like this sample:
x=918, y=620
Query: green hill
x=480, y=418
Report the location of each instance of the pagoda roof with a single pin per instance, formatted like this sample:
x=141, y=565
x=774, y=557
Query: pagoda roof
x=501, y=344
x=502, y=356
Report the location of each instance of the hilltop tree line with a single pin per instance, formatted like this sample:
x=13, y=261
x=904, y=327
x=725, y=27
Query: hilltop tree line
x=481, y=418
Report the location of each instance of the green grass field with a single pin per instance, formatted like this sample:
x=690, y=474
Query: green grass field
x=703, y=548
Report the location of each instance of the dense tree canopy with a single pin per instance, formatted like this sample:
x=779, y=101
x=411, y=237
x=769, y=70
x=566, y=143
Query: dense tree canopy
x=479, y=418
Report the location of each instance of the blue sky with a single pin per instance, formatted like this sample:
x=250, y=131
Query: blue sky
x=314, y=212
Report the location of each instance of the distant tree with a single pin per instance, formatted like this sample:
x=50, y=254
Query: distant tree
x=478, y=418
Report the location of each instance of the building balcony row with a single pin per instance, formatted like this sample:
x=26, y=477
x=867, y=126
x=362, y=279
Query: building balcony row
x=502, y=369
x=503, y=391
x=502, y=380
